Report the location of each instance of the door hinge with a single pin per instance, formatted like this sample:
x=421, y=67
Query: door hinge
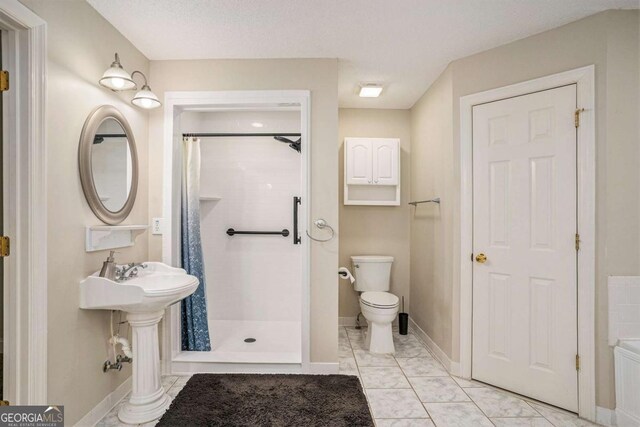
x=5, y=246
x=4, y=80
x=576, y=117
x=577, y=242
x=577, y=362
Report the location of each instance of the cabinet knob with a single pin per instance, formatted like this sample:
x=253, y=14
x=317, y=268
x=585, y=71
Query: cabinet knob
x=369, y=181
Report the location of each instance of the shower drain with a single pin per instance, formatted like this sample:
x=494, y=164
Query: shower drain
x=249, y=340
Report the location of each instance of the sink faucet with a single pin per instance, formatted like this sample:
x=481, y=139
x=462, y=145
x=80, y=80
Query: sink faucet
x=128, y=271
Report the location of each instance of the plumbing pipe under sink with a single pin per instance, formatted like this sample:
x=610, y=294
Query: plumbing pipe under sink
x=124, y=343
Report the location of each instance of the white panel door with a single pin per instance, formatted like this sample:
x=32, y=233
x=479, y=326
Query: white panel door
x=359, y=161
x=385, y=161
x=524, y=222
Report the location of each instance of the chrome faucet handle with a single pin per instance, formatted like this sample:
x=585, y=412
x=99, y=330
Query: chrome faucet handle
x=128, y=271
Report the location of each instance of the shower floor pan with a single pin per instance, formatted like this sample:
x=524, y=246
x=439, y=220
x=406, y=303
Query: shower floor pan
x=275, y=342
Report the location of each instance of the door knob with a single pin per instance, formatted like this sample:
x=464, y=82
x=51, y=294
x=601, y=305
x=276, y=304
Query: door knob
x=481, y=258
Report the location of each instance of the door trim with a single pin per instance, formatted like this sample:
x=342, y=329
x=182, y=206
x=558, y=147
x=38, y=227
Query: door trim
x=277, y=100
x=584, y=78
x=25, y=215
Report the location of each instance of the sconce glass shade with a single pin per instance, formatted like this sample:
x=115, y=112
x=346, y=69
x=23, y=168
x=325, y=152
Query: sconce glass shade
x=116, y=78
x=146, y=99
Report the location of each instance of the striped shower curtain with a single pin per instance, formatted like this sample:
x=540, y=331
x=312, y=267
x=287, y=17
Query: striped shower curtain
x=195, y=328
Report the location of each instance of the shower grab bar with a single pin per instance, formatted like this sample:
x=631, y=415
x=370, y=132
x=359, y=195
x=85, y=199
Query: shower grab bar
x=283, y=233
x=296, y=238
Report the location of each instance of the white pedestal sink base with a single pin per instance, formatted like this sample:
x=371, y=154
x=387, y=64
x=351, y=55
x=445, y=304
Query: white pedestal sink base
x=140, y=414
x=148, y=399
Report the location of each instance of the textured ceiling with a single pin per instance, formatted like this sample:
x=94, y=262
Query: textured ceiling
x=404, y=44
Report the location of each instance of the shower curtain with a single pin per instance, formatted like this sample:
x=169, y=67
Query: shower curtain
x=195, y=328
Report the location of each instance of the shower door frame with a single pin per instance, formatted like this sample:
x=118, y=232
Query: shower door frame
x=176, y=103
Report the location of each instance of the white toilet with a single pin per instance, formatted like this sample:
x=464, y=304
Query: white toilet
x=378, y=305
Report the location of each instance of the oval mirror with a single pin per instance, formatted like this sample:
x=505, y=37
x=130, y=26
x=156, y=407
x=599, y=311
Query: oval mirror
x=108, y=164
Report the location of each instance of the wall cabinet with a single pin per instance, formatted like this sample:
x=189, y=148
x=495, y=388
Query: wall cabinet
x=372, y=171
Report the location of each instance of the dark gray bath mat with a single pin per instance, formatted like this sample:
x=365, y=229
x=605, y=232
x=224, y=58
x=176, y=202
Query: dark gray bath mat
x=269, y=400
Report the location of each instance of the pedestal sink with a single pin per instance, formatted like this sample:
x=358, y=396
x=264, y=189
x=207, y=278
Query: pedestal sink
x=144, y=299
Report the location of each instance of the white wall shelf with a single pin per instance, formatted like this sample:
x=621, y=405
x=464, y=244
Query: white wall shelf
x=372, y=171
x=103, y=237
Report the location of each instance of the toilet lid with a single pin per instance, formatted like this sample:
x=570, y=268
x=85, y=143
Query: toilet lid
x=631, y=345
x=379, y=299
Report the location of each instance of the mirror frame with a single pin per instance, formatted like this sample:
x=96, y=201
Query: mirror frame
x=89, y=130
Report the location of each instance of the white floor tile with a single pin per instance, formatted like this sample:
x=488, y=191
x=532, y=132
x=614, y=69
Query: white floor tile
x=457, y=415
x=464, y=383
x=398, y=403
x=181, y=381
x=364, y=358
x=438, y=389
x=409, y=346
x=168, y=381
x=383, y=377
x=521, y=422
x=406, y=422
x=496, y=403
x=347, y=366
x=111, y=419
x=344, y=350
x=558, y=417
x=399, y=388
x=358, y=344
x=173, y=391
x=422, y=367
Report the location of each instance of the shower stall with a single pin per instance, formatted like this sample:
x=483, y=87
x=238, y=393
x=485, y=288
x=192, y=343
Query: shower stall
x=253, y=217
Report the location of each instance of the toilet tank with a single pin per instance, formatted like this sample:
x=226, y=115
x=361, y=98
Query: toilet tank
x=372, y=272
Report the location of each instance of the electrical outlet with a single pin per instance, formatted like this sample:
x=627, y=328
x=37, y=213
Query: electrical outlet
x=156, y=226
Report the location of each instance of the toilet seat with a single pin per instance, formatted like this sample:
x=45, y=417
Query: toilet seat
x=382, y=300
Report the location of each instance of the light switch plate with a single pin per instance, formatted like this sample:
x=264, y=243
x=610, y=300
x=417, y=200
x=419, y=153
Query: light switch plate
x=156, y=226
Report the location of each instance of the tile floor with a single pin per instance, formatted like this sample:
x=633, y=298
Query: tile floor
x=412, y=389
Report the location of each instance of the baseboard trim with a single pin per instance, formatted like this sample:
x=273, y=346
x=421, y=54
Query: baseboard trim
x=606, y=417
x=347, y=321
x=351, y=321
x=323, y=368
x=451, y=366
x=106, y=405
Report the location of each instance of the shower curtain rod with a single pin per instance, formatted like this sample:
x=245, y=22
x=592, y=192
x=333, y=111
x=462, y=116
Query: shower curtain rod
x=223, y=135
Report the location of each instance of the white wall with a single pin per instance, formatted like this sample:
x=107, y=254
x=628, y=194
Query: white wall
x=432, y=240
x=611, y=41
x=81, y=45
x=375, y=230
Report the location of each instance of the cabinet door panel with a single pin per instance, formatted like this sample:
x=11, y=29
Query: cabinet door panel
x=385, y=161
x=359, y=161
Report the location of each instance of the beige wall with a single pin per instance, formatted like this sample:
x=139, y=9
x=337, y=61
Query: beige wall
x=432, y=224
x=610, y=40
x=321, y=77
x=81, y=45
x=375, y=230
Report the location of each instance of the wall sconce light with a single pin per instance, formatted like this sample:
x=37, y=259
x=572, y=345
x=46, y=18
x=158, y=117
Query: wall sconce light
x=117, y=79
